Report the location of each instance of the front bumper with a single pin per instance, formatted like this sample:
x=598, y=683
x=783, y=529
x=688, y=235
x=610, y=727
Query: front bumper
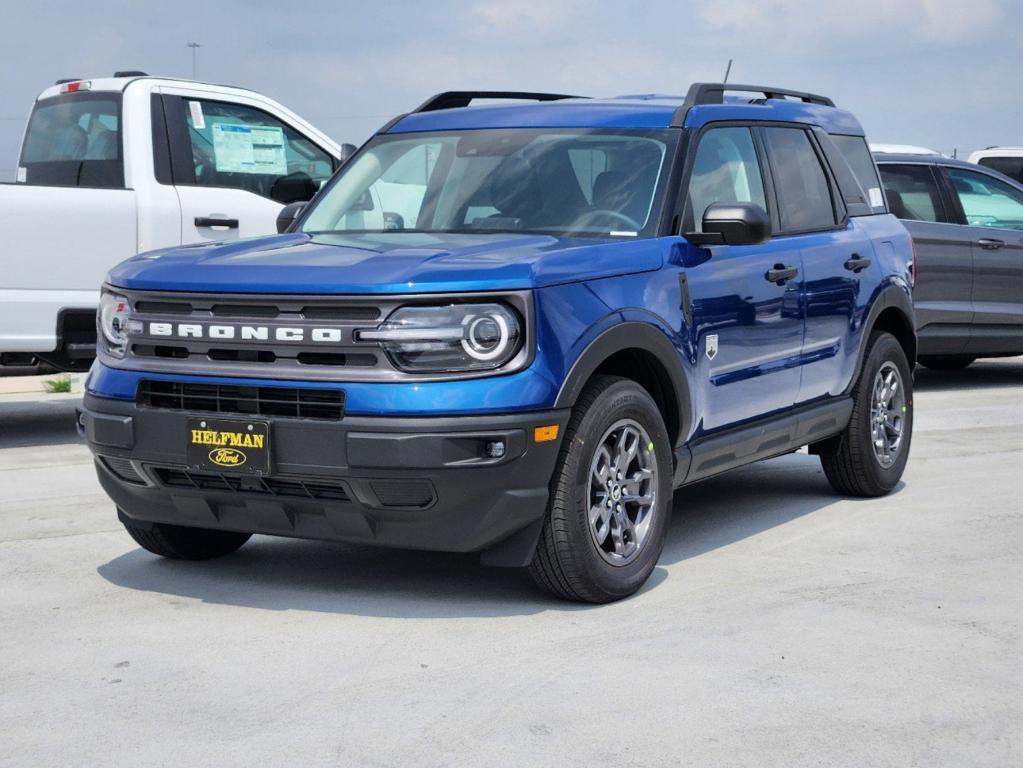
x=418, y=483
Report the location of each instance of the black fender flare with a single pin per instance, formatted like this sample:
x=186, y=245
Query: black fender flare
x=623, y=336
x=891, y=296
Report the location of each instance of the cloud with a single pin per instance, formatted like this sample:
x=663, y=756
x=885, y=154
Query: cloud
x=794, y=26
x=526, y=18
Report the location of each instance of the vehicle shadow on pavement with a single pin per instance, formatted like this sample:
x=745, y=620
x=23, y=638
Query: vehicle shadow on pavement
x=286, y=574
x=29, y=423
x=983, y=374
x=740, y=504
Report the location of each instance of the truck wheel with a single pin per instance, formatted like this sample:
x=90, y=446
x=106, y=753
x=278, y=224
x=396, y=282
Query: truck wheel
x=874, y=447
x=946, y=362
x=182, y=543
x=610, y=496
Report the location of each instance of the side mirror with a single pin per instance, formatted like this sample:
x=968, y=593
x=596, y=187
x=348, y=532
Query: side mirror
x=287, y=216
x=732, y=224
x=347, y=150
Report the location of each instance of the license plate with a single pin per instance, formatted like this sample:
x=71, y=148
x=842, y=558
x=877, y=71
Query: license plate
x=227, y=445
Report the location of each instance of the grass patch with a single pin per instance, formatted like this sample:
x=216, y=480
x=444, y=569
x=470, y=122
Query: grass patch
x=59, y=384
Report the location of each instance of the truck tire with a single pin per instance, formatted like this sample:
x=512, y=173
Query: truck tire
x=610, y=496
x=946, y=362
x=874, y=447
x=179, y=542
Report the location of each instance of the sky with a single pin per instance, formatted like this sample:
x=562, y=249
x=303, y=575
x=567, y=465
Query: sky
x=938, y=73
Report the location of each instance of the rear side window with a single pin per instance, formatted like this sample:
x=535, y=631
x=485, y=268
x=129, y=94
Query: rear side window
x=1010, y=166
x=912, y=192
x=74, y=140
x=245, y=148
x=857, y=154
x=987, y=202
x=804, y=195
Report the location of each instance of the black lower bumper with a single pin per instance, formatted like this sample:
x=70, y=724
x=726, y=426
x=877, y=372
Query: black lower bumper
x=418, y=483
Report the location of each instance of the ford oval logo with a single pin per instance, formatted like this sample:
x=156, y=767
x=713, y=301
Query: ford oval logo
x=227, y=457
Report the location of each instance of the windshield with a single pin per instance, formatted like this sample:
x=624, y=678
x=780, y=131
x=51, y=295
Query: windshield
x=74, y=140
x=556, y=181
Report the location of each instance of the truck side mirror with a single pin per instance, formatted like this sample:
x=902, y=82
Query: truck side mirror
x=347, y=150
x=732, y=224
x=287, y=216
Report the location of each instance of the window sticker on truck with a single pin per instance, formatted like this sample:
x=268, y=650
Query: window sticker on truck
x=198, y=119
x=22, y=176
x=249, y=149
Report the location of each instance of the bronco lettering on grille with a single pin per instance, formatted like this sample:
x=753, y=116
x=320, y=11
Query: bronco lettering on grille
x=245, y=332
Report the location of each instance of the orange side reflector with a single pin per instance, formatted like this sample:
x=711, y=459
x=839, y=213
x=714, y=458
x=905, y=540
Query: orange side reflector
x=545, y=434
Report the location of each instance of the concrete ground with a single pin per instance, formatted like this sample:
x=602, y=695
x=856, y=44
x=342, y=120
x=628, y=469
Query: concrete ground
x=784, y=626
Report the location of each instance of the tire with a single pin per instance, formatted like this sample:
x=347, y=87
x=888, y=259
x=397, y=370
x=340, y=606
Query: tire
x=613, y=557
x=946, y=362
x=182, y=543
x=857, y=468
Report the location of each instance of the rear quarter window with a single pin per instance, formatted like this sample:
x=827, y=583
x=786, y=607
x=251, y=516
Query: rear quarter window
x=857, y=154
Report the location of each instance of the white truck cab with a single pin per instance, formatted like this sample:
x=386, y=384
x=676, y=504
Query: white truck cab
x=1007, y=160
x=111, y=167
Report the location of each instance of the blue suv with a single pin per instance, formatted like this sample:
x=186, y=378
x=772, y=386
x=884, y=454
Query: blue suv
x=515, y=329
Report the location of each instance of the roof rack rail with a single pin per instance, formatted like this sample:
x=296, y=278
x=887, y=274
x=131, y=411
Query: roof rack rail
x=130, y=73
x=455, y=99
x=714, y=93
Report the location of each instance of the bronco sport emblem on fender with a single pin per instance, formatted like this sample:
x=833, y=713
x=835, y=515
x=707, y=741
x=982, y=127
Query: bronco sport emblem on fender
x=712, y=346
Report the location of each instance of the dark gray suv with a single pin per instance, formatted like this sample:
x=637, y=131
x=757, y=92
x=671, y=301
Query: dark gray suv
x=967, y=227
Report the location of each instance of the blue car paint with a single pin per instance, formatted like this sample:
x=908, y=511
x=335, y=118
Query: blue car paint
x=777, y=345
x=385, y=264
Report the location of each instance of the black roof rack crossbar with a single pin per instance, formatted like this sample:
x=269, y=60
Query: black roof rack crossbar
x=455, y=99
x=714, y=93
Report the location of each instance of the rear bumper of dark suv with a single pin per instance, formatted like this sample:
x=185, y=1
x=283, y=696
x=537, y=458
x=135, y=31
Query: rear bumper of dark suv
x=418, y=483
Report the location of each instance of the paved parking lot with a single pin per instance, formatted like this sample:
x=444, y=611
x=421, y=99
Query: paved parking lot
x=783, y=627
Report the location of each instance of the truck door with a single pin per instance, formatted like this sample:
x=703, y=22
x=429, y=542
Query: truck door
x=746, y=308
x=235, y=165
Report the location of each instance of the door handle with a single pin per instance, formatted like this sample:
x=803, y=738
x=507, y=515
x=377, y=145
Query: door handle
x=856, y=264
x=990, y=243
x=780, y=273
x=210, y=221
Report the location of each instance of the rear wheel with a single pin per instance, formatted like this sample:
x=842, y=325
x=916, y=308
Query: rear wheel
x=183, y=543
x=946, y=362
x=610, y=501
x=874, y=448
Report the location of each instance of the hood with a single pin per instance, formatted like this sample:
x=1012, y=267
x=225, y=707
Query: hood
x=399, y=262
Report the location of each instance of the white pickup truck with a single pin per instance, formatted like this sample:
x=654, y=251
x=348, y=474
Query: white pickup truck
x=111, y=167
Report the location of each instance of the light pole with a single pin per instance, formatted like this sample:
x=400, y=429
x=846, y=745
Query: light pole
x=194, y=47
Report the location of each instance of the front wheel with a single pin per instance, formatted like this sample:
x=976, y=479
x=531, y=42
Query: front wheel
x=610, y=503
x=874, y=448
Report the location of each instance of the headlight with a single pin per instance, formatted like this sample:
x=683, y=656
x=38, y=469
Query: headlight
x=456, y=337
x=113, y=322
